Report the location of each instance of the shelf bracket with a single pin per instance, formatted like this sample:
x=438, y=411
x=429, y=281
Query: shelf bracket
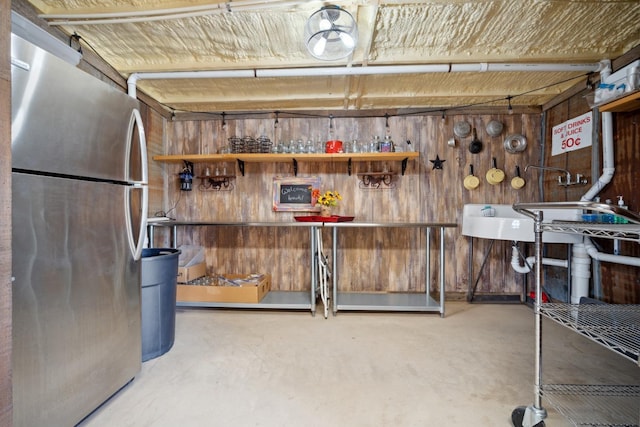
x=349, y=166
x=241, y=166
x=295, y=167
x=404, y=165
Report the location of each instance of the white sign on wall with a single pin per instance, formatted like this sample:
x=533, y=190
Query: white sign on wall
x=572, y=134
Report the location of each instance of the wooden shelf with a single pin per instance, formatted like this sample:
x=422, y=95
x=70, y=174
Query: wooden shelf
x=242, y=158
x=285, y=158
x=624, y=104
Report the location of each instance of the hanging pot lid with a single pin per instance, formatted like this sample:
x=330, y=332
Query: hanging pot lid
x=515, y=143
x=462, y=129
x=494, y=128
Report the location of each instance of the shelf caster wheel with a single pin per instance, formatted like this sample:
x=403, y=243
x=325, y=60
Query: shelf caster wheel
x=528, y=416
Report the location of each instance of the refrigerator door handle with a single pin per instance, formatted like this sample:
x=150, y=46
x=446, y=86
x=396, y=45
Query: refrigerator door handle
x=136, y=120
x=136, y=246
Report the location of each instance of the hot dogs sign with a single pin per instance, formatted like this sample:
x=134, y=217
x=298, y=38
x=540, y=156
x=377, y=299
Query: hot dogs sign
x=572, y=134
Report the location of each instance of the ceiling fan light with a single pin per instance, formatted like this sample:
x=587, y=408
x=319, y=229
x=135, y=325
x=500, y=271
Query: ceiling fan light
x=331, y=33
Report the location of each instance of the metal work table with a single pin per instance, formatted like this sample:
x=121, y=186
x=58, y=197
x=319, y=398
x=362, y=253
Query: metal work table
x=396, y=301
x=277, y=300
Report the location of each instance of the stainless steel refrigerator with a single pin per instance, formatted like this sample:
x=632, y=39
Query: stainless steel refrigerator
x=79, y=216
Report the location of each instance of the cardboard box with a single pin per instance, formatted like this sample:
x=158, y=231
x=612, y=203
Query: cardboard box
x=252, y=292
x=187, y=274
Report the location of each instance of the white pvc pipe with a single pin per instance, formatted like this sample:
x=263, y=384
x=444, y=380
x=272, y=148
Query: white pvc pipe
x=608, y=162
x=601, y=256
x=341, y=71
x=132, y=81
x=530, y=261
x=354, y=71
x=162, y=14
x=580, y=273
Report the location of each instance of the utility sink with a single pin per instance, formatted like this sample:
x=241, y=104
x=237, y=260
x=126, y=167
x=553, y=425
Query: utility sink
x=507, y=224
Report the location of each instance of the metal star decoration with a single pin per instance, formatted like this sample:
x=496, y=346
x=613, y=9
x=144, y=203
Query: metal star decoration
x=437, y=163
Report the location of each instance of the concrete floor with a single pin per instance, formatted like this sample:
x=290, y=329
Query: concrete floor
x=257, y=368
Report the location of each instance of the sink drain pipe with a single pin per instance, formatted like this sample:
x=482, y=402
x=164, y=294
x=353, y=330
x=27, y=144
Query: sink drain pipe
x=530, y=261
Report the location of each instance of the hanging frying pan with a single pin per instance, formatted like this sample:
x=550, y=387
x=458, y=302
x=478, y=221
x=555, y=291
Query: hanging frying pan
x=476, y=145
x=517, y=182
x=494, y=175
x=471, y=181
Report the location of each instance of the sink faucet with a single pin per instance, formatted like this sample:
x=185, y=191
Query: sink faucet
x=566, y=172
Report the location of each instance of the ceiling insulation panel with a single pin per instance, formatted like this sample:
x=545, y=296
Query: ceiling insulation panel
x=158, y=36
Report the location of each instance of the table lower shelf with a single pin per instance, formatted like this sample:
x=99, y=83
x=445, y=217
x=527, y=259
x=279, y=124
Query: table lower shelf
x=396, y=301
x=595, y=405
x=275, y=300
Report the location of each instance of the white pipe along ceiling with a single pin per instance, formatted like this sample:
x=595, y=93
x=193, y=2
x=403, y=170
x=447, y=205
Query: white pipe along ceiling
x=359, y=71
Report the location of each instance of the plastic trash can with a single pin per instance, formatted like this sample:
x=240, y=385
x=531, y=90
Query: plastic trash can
x=158, y=300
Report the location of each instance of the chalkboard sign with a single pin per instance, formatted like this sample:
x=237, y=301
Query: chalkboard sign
x=294, y=194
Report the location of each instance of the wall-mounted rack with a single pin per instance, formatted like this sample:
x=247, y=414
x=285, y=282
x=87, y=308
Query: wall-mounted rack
x=216, y=182
x=377, y=180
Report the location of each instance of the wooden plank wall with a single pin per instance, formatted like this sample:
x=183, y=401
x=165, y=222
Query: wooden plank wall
x=620, y=283
x=387, y=259
x=154, y=133
x=5, y=216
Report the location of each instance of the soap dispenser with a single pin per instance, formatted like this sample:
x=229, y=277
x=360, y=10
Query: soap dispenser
x=621, y=203
x=619, y=219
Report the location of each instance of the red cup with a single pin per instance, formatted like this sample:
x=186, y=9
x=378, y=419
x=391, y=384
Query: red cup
x=334, y=146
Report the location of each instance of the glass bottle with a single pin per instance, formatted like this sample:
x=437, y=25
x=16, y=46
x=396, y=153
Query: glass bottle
x=354, y=146
x=386, y=146
x=374, y=145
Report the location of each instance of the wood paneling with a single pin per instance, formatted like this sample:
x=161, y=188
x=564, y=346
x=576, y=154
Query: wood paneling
x=154, y=132
x=380, y=260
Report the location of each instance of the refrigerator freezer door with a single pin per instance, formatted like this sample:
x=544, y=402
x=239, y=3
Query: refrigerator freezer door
x=76, y=124
x=76, y=298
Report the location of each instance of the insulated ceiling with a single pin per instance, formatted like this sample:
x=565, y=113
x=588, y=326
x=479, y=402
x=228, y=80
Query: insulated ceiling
x=145, y=36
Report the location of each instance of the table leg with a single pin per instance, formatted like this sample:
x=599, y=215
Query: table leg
x=314, y=267
x=442, y=269
x=334, y=277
